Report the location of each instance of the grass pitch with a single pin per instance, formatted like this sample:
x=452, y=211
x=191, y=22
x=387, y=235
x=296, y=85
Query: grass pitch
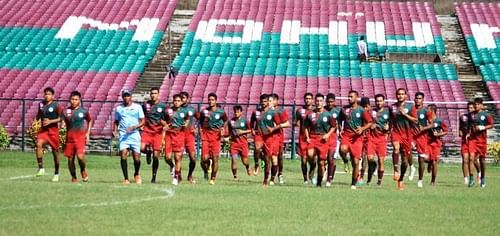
x=103, y=206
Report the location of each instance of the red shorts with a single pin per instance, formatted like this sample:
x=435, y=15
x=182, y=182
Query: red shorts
x=478, y=148
x=210, y=143
x=152, y=139
x=421, y=143
x=354, y=143
x=464, y=148
x=176, y=141
x=51, y=136
x=319, y=145
x=74, y=147
x=377, y=145
x=282, y=140
x=189, y=141
x=258, y=140
x=434, y=151
x=303, y=146
x=271, y=145
x=404, y=139
x=239, y=148
x=332, y=143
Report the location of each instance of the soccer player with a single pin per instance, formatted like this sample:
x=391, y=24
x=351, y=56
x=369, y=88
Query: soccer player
x=333, y=141
x=438, y=130
x=177, y=119
x=190, y=135
x=356, y=121
x=300, y=117
x=49, y=112
x=481, y=122
x=320, y=126
x=269, y=126
x=152, y=133
x=465, y=129
x=284, y=123
x=403, y=118
x=365, y=104
x=258, y=139
x=129, y=117
x=77, y=135
x=238, y=128
x=377, y=145
x=421, y=135
x=212, y=120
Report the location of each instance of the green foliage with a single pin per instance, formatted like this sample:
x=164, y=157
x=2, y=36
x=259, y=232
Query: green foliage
x=494, y=151
x=4, y=138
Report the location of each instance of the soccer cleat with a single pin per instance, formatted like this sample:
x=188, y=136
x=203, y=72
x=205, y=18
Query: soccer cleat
x=420, y=184
x=74, y=180
x=328, y=184
x=126, y=182
x=471, y=181
x=396, y=176
x=209, y=166
x=85, y=176
x=256, y=172
x=346, y=168
x=175, y=182
x=401, y=186
x=40, y=172
x=360, y=183
x=153, y=180
x=412, y=173
x=271, y=183
x=55, y=178
x=478, y=177
x=172, y=172
x=466, y=180
x=235, y=178
x=191, y=180
x=483, y=183
x=353, y=187
x=281, y=179
x=306, y=183
x=379, y=183
x=314, y=181
x=137, y=179
x=212, y=182
x=250, y=172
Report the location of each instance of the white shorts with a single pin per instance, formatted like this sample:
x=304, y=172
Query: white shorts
x=132, y=142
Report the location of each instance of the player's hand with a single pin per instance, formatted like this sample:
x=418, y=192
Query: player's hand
x=386, y=127
x=87, y=137
x=373, y=126
x=325, y=137
x=45, y=122
x=253, y=132
x=435, y=133
x=130, y=129
x=308, y=140
x=402, y=110
x=270, y=130
x=359, y=130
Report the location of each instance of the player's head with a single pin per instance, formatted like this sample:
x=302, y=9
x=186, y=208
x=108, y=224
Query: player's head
x=319, y=100
x=48, y=93
x=212, y=100
x=401, y=94
x=275, y=99
x=432, y=108
x=419, y=99
x=365, y=102
x=330, y=100
x=308, y=99
x=264, y=102
x=126, y=96
x=154, y=94
x=75, y=98
x=185, y=97
x=238, y=110
x=478, y=104
x=353, y=97
x=471, y=107
x=361, y=38
x=379, y=100
x=177, y=98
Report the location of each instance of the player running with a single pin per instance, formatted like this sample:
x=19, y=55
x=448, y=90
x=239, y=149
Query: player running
x=190, y=135
x=152, y=133
x=377, y=145
x=403, y=118
x=129, y=117
x=333, y=145
x=300, y=117
x=238, y=128
x=421, y=135
x=356, y=121
x=320, y=128
x=269, y=126
x=49, y=112
x=212, y=121
x=438, y=130
x=258, y=138
x=77, y=135
x=465, y=129
x=284, y=123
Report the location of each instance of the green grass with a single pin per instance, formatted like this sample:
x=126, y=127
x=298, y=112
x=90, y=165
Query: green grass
x=103, y=206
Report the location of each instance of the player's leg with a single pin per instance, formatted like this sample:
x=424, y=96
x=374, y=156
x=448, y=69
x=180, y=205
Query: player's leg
x=39, y=156
x=434, y=172
x=380, y=169
x=274, y=166
x=406, y=155
x=72, y=168
x=83, y=166
x=168, y=152
x=465, y=166
x=257, y=155
x=332, y=165
x=137, y=164
x=191, y=151
x=310, y=157
x=146, y=148
x=267, y=168
x=312, y=168
x=395, y=159
x=280, y=164
x=123, y=161
x=421, y=170
x=244, y=159
x=234, y=165
x=412, y=168
x=362, y=168
x=321, y=168
x=215, y=167
x=482, y=163
x=372, y=166
x=355, y=171
x=156, y=164
x=55, y=156
x=178, y=167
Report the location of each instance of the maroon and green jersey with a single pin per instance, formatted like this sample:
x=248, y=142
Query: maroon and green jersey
x=399, y=122
x=320, y=122
x=270, y=118
x=241, y=124
x=335, y=112
x=255, y=120
x=354, y=118
x=177, y=118
x=381, y=118
x=424, y=117
x=213, y=120
x=154, y=114
x=192, y=115
x=437, y=126
x=75, y=119
x=49, y=111
x=300, y=116
x=465, y=125
x=481, y=118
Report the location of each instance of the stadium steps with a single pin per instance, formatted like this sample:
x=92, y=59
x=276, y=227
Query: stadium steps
x=155, y=71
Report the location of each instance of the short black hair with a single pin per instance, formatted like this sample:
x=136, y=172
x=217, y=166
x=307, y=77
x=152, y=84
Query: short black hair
x=478, y=100
x=419, y=94
x=49, y=89
x=275, y=96
x=401, y=89
x=263, y=96
x=212, y=95
x=184, y=94
x=237, y=108
x=380, y=95
x=178, y=95
x=154, y=89
x=308, y=94
x=75, y=93
x=354, y=91
x=470, y=103
x=362, y=37
x=432, y=107
x=365, y=101
x=319, y=95
x=330, y=95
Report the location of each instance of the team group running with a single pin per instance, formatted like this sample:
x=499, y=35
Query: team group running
x=327, y=133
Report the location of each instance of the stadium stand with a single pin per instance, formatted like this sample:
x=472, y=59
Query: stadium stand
x=97, y=47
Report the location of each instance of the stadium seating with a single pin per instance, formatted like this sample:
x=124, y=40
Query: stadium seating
x=97, y=47
x=480, y=23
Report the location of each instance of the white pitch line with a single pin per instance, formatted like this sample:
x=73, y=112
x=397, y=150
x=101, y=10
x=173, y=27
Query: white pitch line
x=168, y=194
x=21, y=177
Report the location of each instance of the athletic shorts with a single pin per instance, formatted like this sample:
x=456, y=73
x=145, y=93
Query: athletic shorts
x=75, y=147
x=303, y=146
x=51, y=136
x=258, y=139
x=319, y=145
x=478, y=148
x=435, y=151
x=189, y=141
x=464, y=147
x=405, y=141
x=354, y=143
x=332, y=143
x=168, y=144
x=130, y=143
x=377, y=145
x=239, y=148
x=176, y=141
x=421, y=144
x=271, y=145
x=152, y=139
x=210, y=143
